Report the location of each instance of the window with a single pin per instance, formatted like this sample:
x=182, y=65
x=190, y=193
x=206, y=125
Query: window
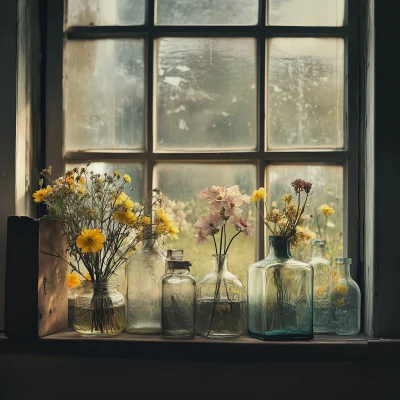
x=183, y=94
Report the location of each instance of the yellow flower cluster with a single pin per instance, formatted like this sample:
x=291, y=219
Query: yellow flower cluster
x=127, y=178
x=164, y=224
x=258, y=195
x=124, y=201
x=326, y=210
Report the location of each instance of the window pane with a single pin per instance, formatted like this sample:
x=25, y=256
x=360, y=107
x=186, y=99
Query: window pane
x=105, y=12
x=306, y=12
x=206, y=94
x=305, y=93
x=206, y=12
x=181, y=183
x=104, y=95
x=135, y=170
x=327, y=189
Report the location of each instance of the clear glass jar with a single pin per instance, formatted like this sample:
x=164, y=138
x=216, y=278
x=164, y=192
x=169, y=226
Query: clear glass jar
x=280, y=295
x=322, y=286
x=99, y=310
x=178, y=306
x=346, y=301
x=221, y=304
x=145, y=270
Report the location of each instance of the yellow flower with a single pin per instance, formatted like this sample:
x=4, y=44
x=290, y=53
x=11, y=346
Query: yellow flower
x=258, y=195
x=90, y=240
x=73, y=281
x=172, y=230
x=41, y=194
x=81, y=180
x=326, y=210
x=335, y=277
x=340, y=289
x=318, y=291
x=88, y=277
x=81, y=190
x=145, y=221
x=126, y=217
x=117, y=174
x=124, y=201
x=340, y=247
x=163, y=216
x=127, y=178
x=339, y=302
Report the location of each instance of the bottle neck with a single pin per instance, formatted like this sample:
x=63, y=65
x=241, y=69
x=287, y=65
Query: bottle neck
x=150, y=243
x=344, y=271
x=220, y=262
x=279, y=247
x=318, y=251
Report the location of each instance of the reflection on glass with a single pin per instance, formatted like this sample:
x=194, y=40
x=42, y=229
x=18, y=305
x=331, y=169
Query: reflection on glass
x=182, y=182
x=205, y=12
x=104, y=94
x=306, y=12
x=105, y=12
x=305, y=93
x=135, y=170
x=206, y=94
x=327, y=189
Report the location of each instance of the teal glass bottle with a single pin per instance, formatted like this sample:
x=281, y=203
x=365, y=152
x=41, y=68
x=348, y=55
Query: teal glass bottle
x=280, y=295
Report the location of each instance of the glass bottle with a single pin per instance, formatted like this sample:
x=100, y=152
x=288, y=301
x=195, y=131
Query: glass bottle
x=221, y=305
x=178, y=303
x=280, y=295
x=99, y=310
x=322, y=286
x=346, y=301
x=145, y=270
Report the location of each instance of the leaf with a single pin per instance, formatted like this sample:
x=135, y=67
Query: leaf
x=50, y=217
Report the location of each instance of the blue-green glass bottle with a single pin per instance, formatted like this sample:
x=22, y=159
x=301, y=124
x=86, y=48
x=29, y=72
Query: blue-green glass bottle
x=280, y=295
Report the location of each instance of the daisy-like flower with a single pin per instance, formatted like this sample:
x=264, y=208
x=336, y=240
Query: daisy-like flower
x=200, y=237
x=117, y=174
x=124, y=216
x=41, y=194
x=326, y=210
x=242, y=225
x=144, y=221
x=124, y=201
x=210, y=224
x=258, y=195
x=172, y=230
x=73, y=281
x=90, y=240
x=215, y=195
x=127, y=178
x=163, y=216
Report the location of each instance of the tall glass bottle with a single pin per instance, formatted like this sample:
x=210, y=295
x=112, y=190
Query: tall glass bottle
x=221, y=304
x=346, y=301
x=178, y=303
x=145, y=270
x=280, y=295
x=322, y=286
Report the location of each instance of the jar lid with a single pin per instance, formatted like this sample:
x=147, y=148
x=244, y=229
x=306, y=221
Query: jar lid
x=175, y=254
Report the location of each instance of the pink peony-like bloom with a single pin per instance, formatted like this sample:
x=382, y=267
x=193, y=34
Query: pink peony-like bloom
x=242, y=225
x=210, y=224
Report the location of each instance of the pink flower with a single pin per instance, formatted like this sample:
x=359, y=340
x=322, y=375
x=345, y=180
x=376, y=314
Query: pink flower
x=200, y=237
x=233, y=201
x=209, y=225
x=215, y=195
x=242, y=225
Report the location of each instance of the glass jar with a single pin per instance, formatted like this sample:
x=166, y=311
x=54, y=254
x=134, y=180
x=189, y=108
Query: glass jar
x=346, y=301
x=178, y=305
x=145, y=270
x=280, y=295
x=221, y=305
x=99, y=310
x=322, y=286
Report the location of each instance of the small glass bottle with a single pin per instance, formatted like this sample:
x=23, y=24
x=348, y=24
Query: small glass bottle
x=322, y=286
x=178, y=298
x=346, y=301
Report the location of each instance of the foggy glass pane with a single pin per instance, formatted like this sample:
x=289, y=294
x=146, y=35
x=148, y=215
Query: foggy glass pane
x=206, y=12
x=135, y=170
x=182, y=182
x=306, y=12
x=305, y=93
x=104, y=95
x=327, y=188
x=206, y=94
x=105, y=12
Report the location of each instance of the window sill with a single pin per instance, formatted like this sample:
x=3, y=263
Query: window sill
x=244, y=349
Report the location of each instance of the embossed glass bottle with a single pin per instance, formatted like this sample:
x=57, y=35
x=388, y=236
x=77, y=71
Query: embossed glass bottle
x=280, y=295
x=322, y=286
x=346, y=301
x=145, y=270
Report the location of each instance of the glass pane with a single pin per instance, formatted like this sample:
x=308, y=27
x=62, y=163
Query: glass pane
x=104, y=95
x=206, y=94
x=305, y=93
x=327, y=189
x=182, y=183
x=105, y=12
x=306, y=12
x=135, y=170
x=206, y=12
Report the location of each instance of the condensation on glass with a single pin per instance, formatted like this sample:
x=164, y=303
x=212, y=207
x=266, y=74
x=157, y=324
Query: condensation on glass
x=206, y=94
x=104, y=95
x=105, y=12
x=305, y=92
x=135, y=170
x=327, y=188
x=306, y=12
x=205, y=12
x=182, y=182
